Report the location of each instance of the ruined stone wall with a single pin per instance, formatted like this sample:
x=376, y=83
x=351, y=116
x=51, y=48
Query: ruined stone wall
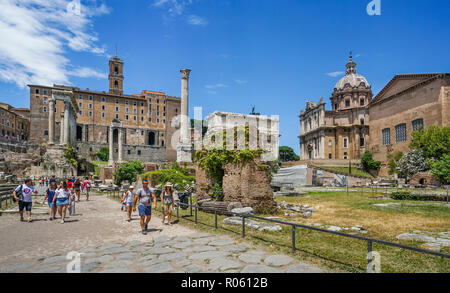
x=203, y=183
x=249, y=185
x=424, y=178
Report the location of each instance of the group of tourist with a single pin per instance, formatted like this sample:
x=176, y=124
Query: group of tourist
x=59, y=198
x=145, y=196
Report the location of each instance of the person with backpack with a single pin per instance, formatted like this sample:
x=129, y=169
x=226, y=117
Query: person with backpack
x=77, y=188
x=22, y=194
x=62, y=199
x=49, y=195
x=86, y=186
x=145, y=206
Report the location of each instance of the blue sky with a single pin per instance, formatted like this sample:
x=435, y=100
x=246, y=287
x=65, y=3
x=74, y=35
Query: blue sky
x=275, y=55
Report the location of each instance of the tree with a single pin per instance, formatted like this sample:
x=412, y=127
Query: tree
x=128, y=171
x=441, y=169
x=412, y=163
x=103, y=154
x=287, y=154
x=393, y=162
x=432, y=142
x=368, y=163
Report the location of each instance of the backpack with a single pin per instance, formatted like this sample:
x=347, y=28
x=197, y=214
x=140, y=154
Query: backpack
x=19, y=193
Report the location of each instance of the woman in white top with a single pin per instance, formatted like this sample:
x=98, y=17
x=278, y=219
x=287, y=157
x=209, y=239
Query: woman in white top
x=62, y=199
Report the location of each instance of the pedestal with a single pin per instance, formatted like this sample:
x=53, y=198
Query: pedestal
x=184, y=153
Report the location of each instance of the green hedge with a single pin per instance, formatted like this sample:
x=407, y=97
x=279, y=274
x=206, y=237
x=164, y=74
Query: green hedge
x=168, y=175
x=406, y=195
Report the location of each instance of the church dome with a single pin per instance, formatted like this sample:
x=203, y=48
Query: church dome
x=351, y=77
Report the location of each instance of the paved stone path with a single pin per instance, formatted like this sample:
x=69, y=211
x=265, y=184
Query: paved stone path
x=110, y=244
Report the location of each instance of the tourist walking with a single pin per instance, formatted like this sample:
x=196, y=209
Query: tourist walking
x=62, y=200
x=128, y=201
x=86, y=186
x=123, y=193
x=22, y=194
x=77, y=188
x=71, y=206
x=53, y=179
x=49, y=195
x=145, y=208
x=167, y=203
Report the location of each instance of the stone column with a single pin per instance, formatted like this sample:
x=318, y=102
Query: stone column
x=111, y=146
x=120, y=142
x=61, y=130
x=66, y=122
x=184, y=104
x=184, y=148
x=51, y=122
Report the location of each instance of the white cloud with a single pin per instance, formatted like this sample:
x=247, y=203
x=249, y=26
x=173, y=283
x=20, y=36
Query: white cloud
x=335, y=74
x=177, y=8
x=215, y=86
x=197, y=20
x=36, y=35
x=241, y=82
x=87, y=72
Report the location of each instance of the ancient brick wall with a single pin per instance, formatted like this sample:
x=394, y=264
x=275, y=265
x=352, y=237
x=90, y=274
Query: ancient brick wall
x=203, y=184
x=424, y=178
x=249, y=185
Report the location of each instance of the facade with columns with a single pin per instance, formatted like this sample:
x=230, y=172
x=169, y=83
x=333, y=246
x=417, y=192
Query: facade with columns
x=343, y=132
x=145, y=129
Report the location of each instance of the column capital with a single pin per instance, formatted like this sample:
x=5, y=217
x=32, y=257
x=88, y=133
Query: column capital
x=185, y=73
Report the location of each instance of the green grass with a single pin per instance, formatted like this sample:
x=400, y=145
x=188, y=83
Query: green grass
x=340, y=254
x=97, y=164
x=345, y=170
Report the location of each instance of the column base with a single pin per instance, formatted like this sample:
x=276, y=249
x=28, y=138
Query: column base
x=184, y=153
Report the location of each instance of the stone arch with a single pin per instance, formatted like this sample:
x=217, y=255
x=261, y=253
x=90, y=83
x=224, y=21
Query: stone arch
x=79, y=133
x=115, y=135
x=151, y=138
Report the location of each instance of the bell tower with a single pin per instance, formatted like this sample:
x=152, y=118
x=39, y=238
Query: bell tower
x=115, y=76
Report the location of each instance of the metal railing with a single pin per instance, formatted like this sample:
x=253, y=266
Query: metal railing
x=6, y=194
x=369, y=240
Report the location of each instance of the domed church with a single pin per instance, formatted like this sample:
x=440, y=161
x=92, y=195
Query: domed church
x=343, y=132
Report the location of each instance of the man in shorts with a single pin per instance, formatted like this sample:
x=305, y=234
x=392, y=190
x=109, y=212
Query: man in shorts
x=145, y=207
x=22, y=194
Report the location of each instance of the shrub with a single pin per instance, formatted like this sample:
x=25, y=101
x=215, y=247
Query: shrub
x=441, y=169
x=103, y=154
x=162, y=176
x=128, y=171
x=406, y=195
x=412, y=163
x=368, y=162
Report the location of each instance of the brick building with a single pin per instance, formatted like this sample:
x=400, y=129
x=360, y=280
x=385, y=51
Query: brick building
x=343, y=132
x=144, y=119
x=405, y=104
x=14, y=122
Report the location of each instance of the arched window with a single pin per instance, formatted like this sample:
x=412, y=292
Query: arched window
x=116, y=84
x=116, y=70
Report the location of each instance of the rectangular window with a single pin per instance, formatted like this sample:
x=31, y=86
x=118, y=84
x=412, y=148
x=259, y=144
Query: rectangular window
x=127, y=102
x=103, y=107
x=134, y=118
x=80, y=97
x=126, y=110
x=117, y=109
x=330, y=143
x=400, y=133
x=361, y=102
x=117, y=101
x=90, y=113
x=126, y=117
x=386, y=134
x=37, y=91
x=157, y=120
x=103, y=115
x=345, y=156
x=134, y=111
x=142, y=118
x=117, y=116
x=81, y=113
x=45, y=92
x=347, y=103
x=150, y=119
x=361, y=141
x=90, y=98
x=103, y=99
x=45, y=109
x=345, y=142
x=139, y=153
x=135, y=103
x=417, y=124
x=90, y=106
x=142, y=104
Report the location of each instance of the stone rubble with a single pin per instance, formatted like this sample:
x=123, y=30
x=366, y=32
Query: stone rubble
x=237, y=221
x=293, y=209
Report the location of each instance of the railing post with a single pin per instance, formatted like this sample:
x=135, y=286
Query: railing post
x=196, y=214
x=190, y=199
x=293, y=238
x=178, y=208
x=243, y=226
x=215, y=219
x=369, y=257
